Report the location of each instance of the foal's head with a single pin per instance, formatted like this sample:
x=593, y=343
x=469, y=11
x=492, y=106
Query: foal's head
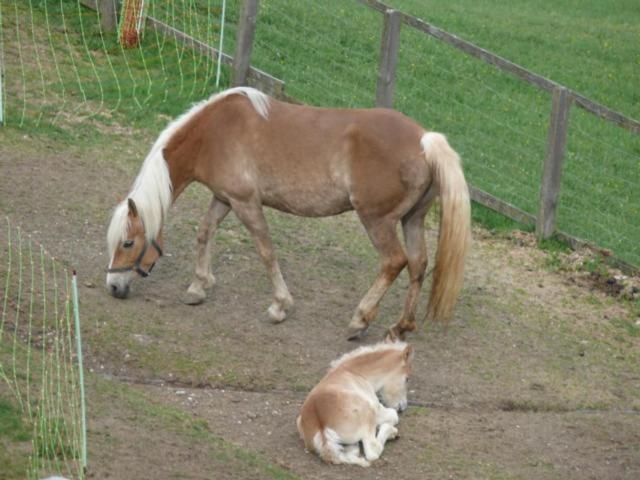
x=132, y=253
x=393, y=393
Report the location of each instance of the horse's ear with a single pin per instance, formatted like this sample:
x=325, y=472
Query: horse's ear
x=133, y=210
x=407, y=354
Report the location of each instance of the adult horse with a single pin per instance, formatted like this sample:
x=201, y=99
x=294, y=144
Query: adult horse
x=252, y=151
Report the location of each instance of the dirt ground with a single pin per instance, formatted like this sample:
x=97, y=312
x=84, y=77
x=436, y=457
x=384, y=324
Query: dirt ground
x=537, y=377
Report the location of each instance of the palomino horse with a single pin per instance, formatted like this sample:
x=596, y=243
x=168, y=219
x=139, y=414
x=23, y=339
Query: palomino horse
x=343, y=409
x=253, y=151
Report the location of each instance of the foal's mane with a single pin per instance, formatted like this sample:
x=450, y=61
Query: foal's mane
x=151, y=190
x=378, y=347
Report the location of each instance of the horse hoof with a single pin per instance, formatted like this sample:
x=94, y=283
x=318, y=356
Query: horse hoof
x=276, y=314
x=394, y=334
x=190, y=298
x=355, y=334
x=210, y=282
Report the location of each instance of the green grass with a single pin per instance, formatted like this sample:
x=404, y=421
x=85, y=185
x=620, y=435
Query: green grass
x=14, y=435
x=327, y=53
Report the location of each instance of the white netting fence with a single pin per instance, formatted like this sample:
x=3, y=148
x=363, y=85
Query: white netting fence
x=40, y=378
x=61, y=65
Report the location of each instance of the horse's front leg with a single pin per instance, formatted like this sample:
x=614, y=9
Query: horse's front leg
x=251, y=215
x=204, y=278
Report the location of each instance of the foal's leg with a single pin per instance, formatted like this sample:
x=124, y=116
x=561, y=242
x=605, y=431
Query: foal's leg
x=371, y=445
x=413, y=229
x=203, y=276
x=382, y=233
x=251, y=215
x=386, y=432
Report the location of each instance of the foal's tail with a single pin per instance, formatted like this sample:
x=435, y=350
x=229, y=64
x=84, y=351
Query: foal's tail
x=455, y=225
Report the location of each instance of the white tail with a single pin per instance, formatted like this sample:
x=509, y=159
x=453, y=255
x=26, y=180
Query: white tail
x=455, y=225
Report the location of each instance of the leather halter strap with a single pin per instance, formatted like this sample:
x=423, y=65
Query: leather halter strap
x=136, y=267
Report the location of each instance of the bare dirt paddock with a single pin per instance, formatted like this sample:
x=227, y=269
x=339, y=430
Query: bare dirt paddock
x=538, y=376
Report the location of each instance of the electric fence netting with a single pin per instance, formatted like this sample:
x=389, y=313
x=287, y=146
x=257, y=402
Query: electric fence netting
x=497, y=122
x=61, y=66
x=41, y=389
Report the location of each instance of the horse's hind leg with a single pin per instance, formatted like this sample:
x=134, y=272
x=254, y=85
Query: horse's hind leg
x=413, y=229
x=251, y=215
x=382, y=233
x=203, y=276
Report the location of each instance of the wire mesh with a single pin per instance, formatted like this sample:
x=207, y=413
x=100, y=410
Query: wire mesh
x=61, y=66
x=39, y=372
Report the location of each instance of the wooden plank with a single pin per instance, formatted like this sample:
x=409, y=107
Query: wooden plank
x=108, y=14
x=500, y=206
x=606, y=113
x=552, y=171
x=244, y=41
x=388, y=59
x=510, y=67
x=108, y=9
x=256, y=78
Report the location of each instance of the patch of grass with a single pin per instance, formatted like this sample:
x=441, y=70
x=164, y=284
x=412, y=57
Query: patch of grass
x=494, y=221
x=527, y=405
x=627, y=325
x=415, y=410
x=12, y=426
x=14, y=435
x=595, y=265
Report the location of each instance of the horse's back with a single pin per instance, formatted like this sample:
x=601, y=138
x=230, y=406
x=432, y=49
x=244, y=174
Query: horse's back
x=334, y=160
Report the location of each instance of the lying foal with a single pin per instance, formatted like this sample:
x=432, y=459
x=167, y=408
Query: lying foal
x=344, y=410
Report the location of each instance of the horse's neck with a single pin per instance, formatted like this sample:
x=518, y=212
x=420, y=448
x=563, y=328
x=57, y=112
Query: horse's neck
x=179, y=175
x=370, y=367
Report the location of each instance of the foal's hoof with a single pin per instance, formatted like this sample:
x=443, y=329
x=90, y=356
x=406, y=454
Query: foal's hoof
x=355, y=334
x=192, y=298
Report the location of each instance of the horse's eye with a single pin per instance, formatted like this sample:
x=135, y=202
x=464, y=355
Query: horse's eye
x=127, y=243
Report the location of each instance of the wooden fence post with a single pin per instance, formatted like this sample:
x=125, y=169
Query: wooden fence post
x=108, y=14
x=552, y=173
x=244, y=42
x=388, y=58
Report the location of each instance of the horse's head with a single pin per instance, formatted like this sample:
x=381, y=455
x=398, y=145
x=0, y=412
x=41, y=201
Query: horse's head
x=132, y=253
x=393, y=393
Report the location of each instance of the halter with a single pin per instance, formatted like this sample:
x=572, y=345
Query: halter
x=136, y=265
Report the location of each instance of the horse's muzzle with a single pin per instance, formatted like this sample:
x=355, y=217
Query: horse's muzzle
x=119, y=292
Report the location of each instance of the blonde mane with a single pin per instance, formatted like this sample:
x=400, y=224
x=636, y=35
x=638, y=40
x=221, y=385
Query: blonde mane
x=378, y=347
x=151, y=190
